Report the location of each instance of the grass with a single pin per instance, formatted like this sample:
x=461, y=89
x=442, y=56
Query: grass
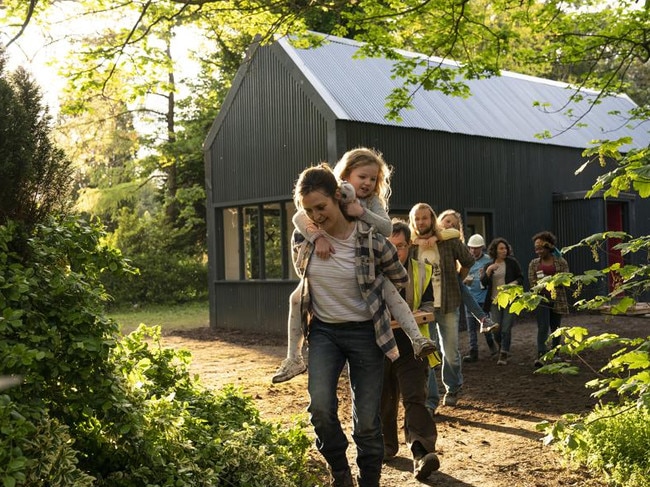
x=176, y=317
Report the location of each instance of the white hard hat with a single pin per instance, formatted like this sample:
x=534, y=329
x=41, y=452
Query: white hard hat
x=476, y=241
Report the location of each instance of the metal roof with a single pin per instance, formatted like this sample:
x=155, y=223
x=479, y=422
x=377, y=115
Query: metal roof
x=500, y=107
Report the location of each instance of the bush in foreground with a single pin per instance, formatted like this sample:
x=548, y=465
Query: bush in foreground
x=614, y=438
x=96, y=409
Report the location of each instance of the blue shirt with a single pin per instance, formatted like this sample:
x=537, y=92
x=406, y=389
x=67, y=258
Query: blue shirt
x=476, y=289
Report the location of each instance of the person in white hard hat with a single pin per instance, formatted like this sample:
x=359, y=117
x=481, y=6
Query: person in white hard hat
x=476, y=246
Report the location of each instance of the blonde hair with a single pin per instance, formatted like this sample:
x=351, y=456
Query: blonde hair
x=434, y=219
x=459, y=221
x=362, y=156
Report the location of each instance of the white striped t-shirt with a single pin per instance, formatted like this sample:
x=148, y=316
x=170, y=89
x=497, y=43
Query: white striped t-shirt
x=333, y=286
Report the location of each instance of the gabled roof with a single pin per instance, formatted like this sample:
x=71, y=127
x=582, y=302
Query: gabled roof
x=500, y=107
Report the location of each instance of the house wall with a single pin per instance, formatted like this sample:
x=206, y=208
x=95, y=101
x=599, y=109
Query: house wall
x=268, y=131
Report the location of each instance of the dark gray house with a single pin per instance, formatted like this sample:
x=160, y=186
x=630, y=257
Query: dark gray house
x=289, y=108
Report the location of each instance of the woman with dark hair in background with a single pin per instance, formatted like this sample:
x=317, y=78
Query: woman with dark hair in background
x=504, y=269
x=549, y=312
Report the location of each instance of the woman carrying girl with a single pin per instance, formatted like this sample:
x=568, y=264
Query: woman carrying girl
x=365, y=189
x=349, y=322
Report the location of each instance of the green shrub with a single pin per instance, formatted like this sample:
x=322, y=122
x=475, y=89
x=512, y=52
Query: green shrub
x=613, y=439
x=167, y=272
x=37, y=450
x=103, y=410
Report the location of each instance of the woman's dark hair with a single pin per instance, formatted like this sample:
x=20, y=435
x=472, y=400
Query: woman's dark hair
x=315, y=178
x=547, y=237
x=492, y=248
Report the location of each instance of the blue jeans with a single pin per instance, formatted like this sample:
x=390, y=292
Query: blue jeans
x=446, y=332
x=330, y=347
x=506, y=319
x=547, y=321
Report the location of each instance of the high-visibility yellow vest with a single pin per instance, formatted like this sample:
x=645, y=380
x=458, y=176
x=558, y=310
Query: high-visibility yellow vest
x=421, y=277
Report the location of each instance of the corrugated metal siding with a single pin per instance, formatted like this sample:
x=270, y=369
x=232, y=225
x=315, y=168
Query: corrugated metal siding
x=500, y=107
x=573, y=220
x=272, y=130
x=254, y=306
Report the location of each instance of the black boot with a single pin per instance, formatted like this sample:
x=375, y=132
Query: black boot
x=471, y=357
x=341, y=478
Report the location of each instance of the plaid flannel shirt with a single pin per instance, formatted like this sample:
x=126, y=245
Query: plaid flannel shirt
x=560, y=303
x=451, y=251
x=375, y=260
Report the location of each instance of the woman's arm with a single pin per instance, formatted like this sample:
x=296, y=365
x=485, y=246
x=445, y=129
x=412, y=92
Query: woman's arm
x=485, y=279
x=532, y=272
x=517, y=276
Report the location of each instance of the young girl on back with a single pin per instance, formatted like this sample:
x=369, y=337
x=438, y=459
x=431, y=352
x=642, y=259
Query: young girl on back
x=452, y=219
x=365, y=189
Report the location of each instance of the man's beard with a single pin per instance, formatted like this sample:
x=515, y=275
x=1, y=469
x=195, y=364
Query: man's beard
x=428, y=231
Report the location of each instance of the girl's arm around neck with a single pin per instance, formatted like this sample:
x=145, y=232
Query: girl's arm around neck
x=377, y=216
x=306, y=226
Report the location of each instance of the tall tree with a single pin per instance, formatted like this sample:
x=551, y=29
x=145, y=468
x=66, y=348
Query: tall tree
x=35, y=175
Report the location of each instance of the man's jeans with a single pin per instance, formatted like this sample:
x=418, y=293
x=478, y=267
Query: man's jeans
x=330, y=346
x=446, y=331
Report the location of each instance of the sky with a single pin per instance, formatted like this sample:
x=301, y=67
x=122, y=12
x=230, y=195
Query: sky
x=35, y=51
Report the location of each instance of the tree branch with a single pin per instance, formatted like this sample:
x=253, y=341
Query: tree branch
x=28, y=17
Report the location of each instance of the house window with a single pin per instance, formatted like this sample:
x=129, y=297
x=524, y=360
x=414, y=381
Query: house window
x=256, y=241
x=478, y=222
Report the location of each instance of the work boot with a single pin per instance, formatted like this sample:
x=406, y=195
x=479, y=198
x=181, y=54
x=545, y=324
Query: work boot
x=341, y=478
x=451, y=398
x=425, y=466
x=472, y=356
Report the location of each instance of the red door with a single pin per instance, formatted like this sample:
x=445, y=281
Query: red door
x=614, y=224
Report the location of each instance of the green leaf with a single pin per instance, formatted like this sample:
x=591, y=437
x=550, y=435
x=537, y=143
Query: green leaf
x=623, y=305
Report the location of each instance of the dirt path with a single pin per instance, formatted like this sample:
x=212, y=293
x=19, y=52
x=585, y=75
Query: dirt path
x=488, y=440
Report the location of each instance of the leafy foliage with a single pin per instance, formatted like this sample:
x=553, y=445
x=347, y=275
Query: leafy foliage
x=167, y=271
x=602, y=441
x=97, y=410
